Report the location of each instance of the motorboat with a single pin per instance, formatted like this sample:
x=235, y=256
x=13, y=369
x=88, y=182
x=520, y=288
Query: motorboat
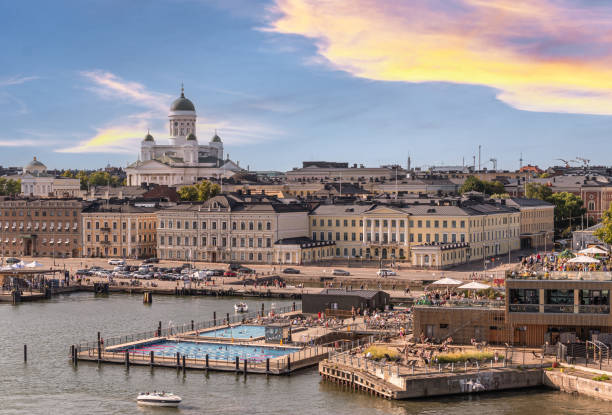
x=241, y=307
x=158, y=399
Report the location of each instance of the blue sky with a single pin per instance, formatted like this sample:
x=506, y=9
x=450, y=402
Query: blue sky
x=290, y=80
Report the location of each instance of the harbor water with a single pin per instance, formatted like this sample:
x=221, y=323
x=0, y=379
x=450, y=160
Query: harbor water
x=48, y=384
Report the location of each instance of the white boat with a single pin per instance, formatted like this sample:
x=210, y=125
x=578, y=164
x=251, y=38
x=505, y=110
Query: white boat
x=158, y=399
x=241, y=307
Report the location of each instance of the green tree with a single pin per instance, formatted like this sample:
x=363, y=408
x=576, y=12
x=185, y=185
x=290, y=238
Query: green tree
x=500, y=196
x=605, y=232
x=68, y=174
x=493, y=187
x=537, y=191
x=472, y=184
x=82, y=176
x=199, y=192
x=188, y=193
x=568, y=210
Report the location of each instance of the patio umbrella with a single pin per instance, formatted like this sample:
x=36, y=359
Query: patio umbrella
x=19, y=265
x=447, y=282
x=34, y=264
x=593, y=250
x=474, y=286
x=583, y=259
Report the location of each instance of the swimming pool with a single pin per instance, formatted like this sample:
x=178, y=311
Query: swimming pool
x=237, y=332
x=216, y=351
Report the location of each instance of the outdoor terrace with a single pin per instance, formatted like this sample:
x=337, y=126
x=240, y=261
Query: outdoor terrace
x=561, y=275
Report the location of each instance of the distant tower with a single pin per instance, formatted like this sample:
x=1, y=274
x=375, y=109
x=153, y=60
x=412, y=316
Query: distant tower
x=216, y=144
x=521, y=161
x=182, y=119
x=146, y=147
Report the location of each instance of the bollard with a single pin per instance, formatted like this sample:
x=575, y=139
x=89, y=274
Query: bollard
x=184, y=363
x=293, y=306
x=127, y=358
x=178, y=360
x=76, y=355
x=288, y=364
x=245, y=368
x=159, y=329
x=267, y=365
x=99, y=347
x=228, y=320
x=25, y=352
x=152, y=358
x=72, y=353
x=192, y=329
x=263, y=313
x=207, y=365
x=214, y=318
x=237, y=364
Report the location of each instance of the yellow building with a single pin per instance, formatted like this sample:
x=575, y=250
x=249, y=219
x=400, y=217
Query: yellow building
x=537, y=222
x=120, y=231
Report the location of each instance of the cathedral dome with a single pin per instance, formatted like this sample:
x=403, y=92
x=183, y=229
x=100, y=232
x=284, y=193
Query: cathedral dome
x=149, y=137
x=35, y=166
x=215, y=139
x=182, y=103
x=191, y=136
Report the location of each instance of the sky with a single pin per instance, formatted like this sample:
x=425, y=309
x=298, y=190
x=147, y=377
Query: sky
x=283, y=81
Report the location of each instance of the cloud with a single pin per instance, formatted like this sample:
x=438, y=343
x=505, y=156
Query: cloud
x=547, y=55
x=110, y=86
x=17, y=80
x=21, y=143
x=118, y=139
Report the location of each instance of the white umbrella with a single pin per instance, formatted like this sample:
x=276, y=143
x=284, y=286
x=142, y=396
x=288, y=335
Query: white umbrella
x=582, y=259
x=34, y=264
x=474, y=286
x=447, y=281
x=18, y=265
x=593, y=250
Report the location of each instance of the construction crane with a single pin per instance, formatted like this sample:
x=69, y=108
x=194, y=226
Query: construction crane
x=494, y=161
x=584, y=161
x=567, y=163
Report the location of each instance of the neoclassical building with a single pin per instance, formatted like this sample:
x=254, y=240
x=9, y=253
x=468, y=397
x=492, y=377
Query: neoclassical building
x=183, y=160
x=35, y=181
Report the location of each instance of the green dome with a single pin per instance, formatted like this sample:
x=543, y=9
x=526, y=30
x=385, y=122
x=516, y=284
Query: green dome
x=191, y=136
x=182, y=104
x=149, y=137
x=216, y=139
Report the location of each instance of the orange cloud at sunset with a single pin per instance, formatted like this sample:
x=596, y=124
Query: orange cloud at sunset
x=547, y=55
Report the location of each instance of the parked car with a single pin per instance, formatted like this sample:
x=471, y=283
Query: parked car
x=234, y=266
x=116, y=261
x=386, y=273
x=246, y=270
x=341, y=272
x=13, y=260
x=229, y=273
x=214, y=273
x=291, y=271
x=151, y=261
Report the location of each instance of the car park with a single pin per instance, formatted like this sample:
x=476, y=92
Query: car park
x=291, y=271
x=341, y=272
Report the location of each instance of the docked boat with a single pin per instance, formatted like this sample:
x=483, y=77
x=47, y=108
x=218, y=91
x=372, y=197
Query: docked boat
x=158, y=399
x=241, y=307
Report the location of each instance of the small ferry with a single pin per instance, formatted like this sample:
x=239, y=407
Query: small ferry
x=158, y=399
x=241, y=307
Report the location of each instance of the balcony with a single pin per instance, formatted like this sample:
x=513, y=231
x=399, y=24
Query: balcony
x=105, y=229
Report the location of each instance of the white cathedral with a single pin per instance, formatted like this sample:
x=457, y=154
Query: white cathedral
x=183, y=161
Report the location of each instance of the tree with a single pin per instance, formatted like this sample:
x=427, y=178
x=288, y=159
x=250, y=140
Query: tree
x=68, y=173
x=500, y=196
x=472, y=184
x=9, y=187
x=199, y=192
x=493, y=187
x=605, y=232
x=568, y=210
x=537, y=191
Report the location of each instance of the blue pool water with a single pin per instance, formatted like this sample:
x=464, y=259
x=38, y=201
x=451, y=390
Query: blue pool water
x=216, y=351
x=238, y=332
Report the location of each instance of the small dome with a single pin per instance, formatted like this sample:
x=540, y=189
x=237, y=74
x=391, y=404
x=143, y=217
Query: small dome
x=149, y=137
x=216, y=139
x=35, y=166
x=191, y=136
x=182, y=103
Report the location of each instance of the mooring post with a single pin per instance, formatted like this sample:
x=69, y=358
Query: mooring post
x=178, y=360
x=152, y=358
x=288, y=364
x=263, y=313
x=214, y=318
x=237, y=364
x=127, y=358
x=72, y=353
x=267, y=365
x=207, y=365
x=76, y=354
x=159, y=329
x=192, y=325
x=184, y=363
x=228, y=320
x=245, y=367
x=99, y=348
x=293, y=306
x=25, y=352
